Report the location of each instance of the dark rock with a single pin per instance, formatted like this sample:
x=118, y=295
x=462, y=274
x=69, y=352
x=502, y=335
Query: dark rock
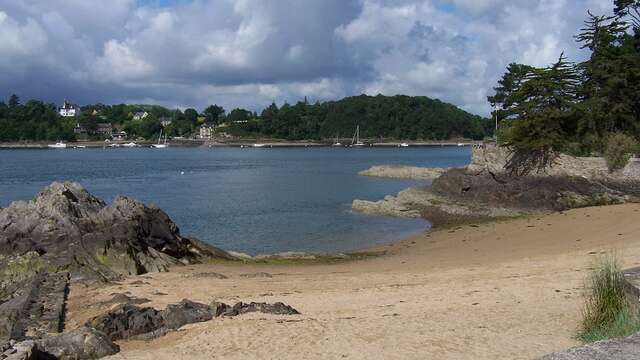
x=82, y=343
x=36, y=308
x=527, y=193
x=185, y=312
x=132, y=322
x=616, y=349
x=222, y=309
x=127, y=321
x=74, y=230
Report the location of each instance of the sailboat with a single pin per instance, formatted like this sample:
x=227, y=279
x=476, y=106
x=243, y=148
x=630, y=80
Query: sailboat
x=356, y=138
x=337, y=142
x=160, y=145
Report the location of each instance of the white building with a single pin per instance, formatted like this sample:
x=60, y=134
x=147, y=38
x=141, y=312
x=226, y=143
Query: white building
x=140, y=115
x=206, y=132
x=69, y=110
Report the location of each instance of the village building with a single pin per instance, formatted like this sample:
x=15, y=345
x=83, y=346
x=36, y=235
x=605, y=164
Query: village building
x=105, y=129
x=69, y=110
x=79, y=130
x=206, y=132
x=140, y=115
x=119, y=135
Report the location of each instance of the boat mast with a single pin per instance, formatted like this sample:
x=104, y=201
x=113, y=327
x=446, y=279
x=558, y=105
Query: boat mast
x=353, y=140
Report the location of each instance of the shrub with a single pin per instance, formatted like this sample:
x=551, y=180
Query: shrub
x=606, y=313
x=618, y=150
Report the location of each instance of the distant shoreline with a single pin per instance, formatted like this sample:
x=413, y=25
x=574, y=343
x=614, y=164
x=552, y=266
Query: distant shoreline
x=268, y=143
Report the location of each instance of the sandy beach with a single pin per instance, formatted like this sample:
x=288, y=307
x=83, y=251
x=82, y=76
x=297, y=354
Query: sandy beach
x=504, y=290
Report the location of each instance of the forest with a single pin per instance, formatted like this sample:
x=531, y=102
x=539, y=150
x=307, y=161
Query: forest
x=379, y=117
x=388, y=117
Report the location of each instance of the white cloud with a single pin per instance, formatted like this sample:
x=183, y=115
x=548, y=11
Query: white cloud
x=250, y=52
x=121, y=62
x=20, y=39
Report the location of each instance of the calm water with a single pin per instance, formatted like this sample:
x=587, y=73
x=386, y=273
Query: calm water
x=249, y=200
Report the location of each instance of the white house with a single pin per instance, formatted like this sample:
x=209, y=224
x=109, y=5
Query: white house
x=69, y=110
x=206, y=131
x=140, y=115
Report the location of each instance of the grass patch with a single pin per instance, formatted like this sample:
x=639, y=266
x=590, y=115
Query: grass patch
x=607, y=313
x=625, y=324
x=311, y=259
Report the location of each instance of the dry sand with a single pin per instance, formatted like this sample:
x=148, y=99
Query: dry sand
x=507, y=290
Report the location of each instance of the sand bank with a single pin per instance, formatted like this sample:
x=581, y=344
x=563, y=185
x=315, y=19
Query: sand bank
x=506, y=290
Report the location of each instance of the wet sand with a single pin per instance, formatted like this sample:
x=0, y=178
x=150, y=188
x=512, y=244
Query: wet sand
x=506, y=290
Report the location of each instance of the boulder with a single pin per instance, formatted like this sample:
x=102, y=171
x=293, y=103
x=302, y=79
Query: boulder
x=79, y=344
x=128, y=321
x=185, y=312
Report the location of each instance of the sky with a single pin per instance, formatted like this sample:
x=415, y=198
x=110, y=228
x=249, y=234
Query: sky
x=249, y=53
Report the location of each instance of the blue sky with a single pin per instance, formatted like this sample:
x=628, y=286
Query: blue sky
x=247, y=53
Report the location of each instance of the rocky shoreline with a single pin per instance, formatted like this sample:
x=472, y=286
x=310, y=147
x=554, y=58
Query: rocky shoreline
x=483, y=191
x=66, y=236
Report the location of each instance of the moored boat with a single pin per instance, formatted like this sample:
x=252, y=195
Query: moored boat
x=58, y=145
x=161, y=145
x=356, y=138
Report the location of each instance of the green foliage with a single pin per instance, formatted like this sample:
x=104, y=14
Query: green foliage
x=628, y=9
x=214, y=114
x=572, y=108
x=398, y=117
x=541, y=116
x=34, y=120
x=606, y=313
x=619, y=149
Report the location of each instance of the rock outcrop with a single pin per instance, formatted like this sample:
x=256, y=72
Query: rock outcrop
x=66, y=235
x=493, y=159
x=128, y=321
x=73, y=230
x=483, y=190
x=403, y=172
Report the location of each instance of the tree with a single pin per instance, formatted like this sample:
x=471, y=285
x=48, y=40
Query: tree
x=544, y=117
x=214, y=114
x=610, y=80
x=237, y=115
x=629, y=9
x=191, y=115
x=504, y=98
x=14, y=101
